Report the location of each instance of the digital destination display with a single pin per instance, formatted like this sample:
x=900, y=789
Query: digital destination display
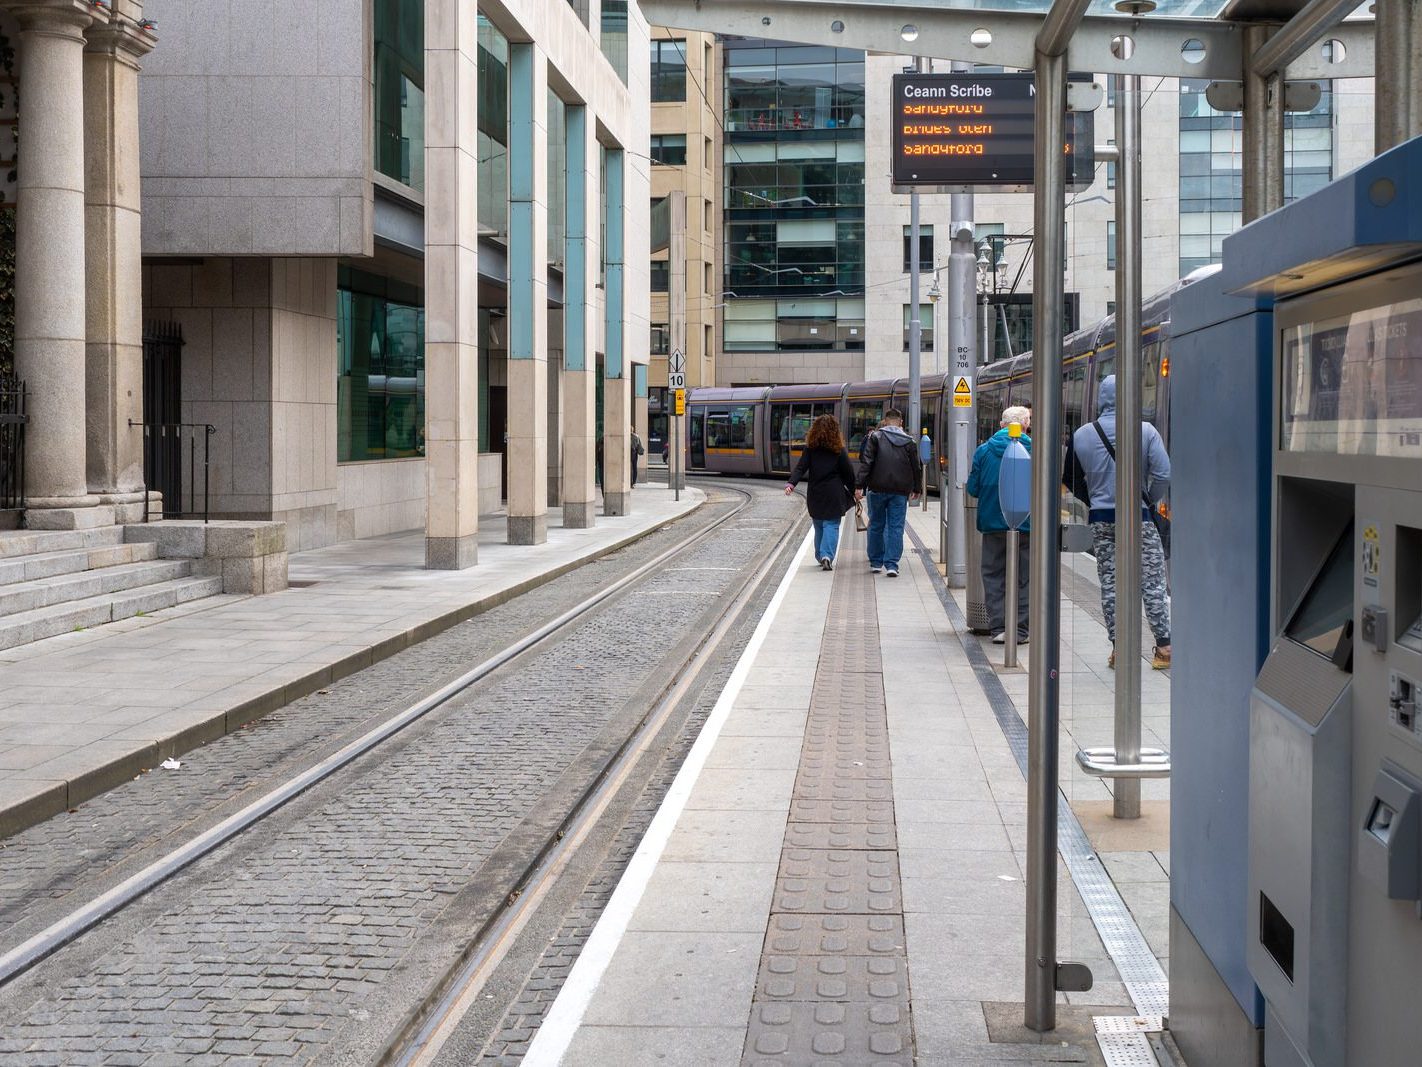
x=957, y=130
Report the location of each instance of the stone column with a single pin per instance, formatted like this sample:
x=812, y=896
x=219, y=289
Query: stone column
x=451, y=285
x=114, y=263
x=528, y=295
x=49, y=282
x=580, y=272
x=617, y=394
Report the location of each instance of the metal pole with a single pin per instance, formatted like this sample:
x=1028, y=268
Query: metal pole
x=962, y=345
x=984, y=327
x=676, y=316
x=1049, y=221
x=1397, y=102
x=1263, y=139
x=943, y=518
x=1127, y=791
x=1009, y=602
x=915, y=400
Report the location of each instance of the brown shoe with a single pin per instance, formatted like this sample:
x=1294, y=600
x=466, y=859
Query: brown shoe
x=1161, y=660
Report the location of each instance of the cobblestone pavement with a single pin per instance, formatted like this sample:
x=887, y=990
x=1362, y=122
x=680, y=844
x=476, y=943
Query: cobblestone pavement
x=44, y=864
x=504, y=1042
x=300, y=937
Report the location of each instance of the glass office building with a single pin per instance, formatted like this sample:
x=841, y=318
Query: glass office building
x=794, y=198
x=1211, y=161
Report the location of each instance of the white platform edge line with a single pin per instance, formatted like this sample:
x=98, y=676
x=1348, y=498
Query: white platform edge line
x=566, y=1015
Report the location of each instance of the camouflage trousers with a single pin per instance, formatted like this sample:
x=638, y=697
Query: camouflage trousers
x=1157, y=607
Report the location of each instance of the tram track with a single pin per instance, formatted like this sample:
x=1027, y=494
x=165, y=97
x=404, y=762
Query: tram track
x=417, y=1035
x=421, y=1038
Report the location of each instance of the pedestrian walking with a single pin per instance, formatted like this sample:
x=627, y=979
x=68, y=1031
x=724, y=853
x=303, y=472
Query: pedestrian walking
x=638, y=451
x=829, y=484
x=1091, y=475
x=983, y=484
x=889, y=471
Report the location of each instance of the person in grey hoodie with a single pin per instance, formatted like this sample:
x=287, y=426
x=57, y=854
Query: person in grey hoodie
x=889, y=468
x=1091, y=476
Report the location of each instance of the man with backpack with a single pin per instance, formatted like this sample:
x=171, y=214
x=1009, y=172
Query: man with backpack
x=1091, y=476
x=889, y=469
x=638, y=451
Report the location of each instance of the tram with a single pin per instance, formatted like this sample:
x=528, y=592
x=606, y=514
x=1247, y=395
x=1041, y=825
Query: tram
x=761, y=430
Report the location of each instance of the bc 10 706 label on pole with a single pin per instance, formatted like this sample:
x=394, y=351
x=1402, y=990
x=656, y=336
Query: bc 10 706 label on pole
x=962, y=392
x=679, y=402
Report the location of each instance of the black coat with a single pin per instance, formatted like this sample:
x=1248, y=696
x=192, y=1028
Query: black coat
x=829, y=482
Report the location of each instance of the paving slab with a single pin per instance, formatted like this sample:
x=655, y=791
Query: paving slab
x=896, y=930
x=72, y=721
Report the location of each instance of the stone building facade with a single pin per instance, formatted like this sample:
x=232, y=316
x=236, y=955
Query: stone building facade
x=400, y=243
x=78, y=333
x=372, y=221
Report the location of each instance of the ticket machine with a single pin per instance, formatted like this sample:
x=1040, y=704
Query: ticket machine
x=1334, y=912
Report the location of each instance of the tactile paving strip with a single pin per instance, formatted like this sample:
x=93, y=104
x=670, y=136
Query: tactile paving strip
x=833, y=982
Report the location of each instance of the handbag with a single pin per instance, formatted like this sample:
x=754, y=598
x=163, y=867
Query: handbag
x=861, y=518
x=1157, y=519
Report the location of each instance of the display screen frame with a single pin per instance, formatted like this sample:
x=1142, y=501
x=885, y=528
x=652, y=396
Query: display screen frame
x=987, y=137
x=1351, y=382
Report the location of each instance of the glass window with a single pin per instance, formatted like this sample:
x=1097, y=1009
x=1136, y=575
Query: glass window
x=731, y=428
x=493, y=163
x=992, y=402
x=399, y=90
x=925, y=248
x=613, y=39
x=380, y=385
x=668, y=71
x=925, y=327
x=661, y=276
x=661, y=338
x=1073, y=396
x=669, y=149
x=864, y=418
x=1110, y=245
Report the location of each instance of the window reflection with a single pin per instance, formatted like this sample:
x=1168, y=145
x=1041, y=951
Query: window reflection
x=380, y=390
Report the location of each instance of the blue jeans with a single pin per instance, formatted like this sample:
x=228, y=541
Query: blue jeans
x=826, y=538
x=887, y=512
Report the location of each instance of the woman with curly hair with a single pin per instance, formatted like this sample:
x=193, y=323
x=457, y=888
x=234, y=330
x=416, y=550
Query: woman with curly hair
x=829, y=484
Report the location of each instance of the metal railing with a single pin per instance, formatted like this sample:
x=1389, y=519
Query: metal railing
x=12, y=443
x=166, y=445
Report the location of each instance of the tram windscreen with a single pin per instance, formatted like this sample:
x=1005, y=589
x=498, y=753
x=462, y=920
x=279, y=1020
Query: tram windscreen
x=1327, y=608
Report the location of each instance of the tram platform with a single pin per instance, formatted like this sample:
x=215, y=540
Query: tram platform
x=837, y=874
x=83, y=711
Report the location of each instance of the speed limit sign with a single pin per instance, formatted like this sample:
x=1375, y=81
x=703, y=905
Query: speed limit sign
x=676, y=380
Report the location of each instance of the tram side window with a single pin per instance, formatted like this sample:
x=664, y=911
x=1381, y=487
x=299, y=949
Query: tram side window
x=1150, y=383
x=1074, y=397
x=864, y=418
x=991, y=404
x=731, y=427
x=1101, y=369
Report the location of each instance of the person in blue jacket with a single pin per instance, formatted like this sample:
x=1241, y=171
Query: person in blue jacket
x=982, y=484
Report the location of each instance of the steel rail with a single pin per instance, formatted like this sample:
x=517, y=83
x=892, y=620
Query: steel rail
x=54, y=937
x=424, y=1035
